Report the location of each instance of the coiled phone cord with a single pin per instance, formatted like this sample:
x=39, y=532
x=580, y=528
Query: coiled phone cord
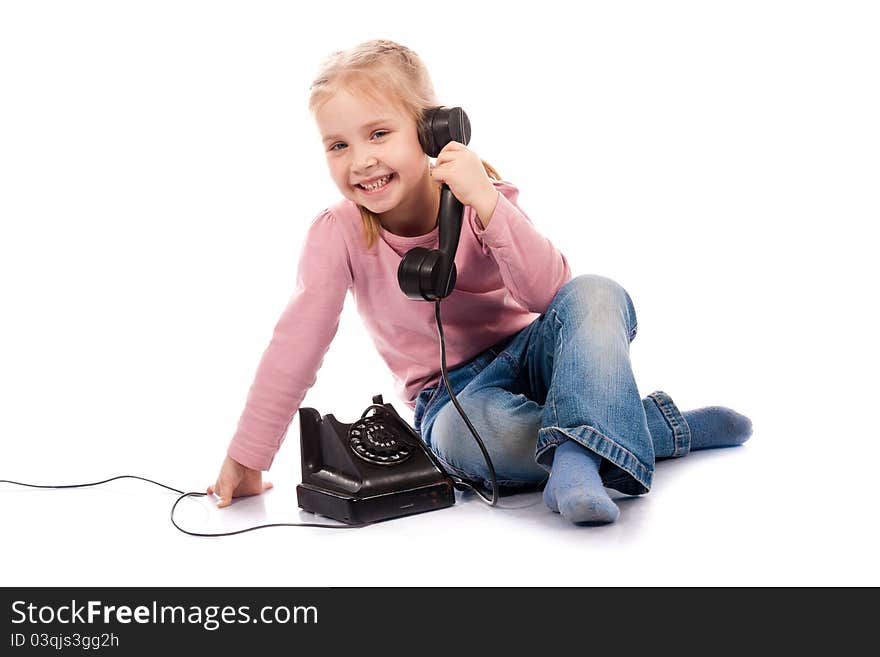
x=493, y=501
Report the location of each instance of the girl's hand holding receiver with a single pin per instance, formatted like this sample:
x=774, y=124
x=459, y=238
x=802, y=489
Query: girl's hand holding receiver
x=461, y=169
x=237, y=480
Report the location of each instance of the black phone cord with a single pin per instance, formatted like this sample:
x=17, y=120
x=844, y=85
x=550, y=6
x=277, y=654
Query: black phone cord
x=194, y=494
x=493, y=501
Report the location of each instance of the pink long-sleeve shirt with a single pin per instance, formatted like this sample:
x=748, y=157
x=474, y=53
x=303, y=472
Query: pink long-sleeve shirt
x=507, y=275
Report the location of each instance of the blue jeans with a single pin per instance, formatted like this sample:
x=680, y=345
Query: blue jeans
x=565, y=376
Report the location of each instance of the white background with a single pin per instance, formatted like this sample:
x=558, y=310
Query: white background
x=158, y=171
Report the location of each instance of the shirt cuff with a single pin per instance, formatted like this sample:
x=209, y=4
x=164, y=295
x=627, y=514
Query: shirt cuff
x=248, y=458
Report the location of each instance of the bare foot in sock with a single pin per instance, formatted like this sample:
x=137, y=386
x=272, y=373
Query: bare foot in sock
x=575, y=488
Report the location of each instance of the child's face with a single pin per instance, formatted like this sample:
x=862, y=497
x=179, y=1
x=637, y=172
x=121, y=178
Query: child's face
x=363, y=141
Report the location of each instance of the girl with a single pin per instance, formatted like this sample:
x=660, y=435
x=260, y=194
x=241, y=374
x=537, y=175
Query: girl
x=538, y=360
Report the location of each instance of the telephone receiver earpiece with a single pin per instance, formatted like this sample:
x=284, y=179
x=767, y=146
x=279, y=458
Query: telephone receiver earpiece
x=429, y=274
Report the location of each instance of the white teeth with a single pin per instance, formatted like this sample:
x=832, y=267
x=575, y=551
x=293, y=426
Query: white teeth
x=379, y=183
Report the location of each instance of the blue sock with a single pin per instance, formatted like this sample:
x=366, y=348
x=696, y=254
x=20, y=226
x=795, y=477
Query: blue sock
x=575, y=488
x=717, y=426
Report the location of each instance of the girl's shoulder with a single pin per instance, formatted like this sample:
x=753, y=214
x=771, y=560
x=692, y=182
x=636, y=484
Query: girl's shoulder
x=344, y=211
x=339, y=219
x=329, y=227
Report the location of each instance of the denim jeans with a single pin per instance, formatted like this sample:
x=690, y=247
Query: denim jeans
x=565, y=376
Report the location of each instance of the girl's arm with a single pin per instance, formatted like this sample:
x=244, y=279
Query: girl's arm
x=302, y=335
x=532, y=268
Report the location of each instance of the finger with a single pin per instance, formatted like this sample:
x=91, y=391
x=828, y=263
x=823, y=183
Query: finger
x=452, y=145
x=445, y=156
x=210, y=490
x=224, y=501
x=267, y=485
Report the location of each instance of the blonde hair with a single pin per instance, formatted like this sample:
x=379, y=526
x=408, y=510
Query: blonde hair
x=381, y=70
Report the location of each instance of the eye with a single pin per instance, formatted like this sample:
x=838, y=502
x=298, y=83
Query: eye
x=339, y=143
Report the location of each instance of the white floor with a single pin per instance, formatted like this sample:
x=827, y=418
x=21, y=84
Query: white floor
x=717, y=517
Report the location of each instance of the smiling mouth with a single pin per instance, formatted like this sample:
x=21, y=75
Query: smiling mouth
x=382, y=184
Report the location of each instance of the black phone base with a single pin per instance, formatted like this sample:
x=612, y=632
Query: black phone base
x=374, y=469
x=355, y=510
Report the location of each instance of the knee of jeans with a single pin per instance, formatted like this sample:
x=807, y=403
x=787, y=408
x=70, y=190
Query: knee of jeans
x=600, y=296
x=511, y=448
x=450, y=437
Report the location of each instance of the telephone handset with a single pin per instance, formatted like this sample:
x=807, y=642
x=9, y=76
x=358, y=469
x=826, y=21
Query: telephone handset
x=429, y=274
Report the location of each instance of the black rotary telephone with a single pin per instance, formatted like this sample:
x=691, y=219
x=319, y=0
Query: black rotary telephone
x=373, y=469
x=378, y=468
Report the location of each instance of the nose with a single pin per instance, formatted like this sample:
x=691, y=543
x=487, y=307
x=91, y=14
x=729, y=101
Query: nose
x=363, y=163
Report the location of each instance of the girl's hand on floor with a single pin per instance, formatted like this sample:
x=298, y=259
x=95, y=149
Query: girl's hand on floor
x=237, y=480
